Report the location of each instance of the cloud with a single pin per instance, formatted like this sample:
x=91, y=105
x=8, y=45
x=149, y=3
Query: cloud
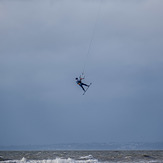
x=44, y=46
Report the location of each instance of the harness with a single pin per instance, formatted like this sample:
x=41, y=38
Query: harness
x=78, y=82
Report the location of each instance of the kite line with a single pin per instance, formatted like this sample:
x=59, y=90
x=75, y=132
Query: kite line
x=92, y=37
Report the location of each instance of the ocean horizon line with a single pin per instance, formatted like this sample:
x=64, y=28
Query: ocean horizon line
x=88, y=146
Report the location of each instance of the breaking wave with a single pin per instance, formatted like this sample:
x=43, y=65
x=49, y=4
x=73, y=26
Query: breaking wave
x=85, y=159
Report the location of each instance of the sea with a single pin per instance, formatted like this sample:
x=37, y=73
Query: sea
x=83, y=156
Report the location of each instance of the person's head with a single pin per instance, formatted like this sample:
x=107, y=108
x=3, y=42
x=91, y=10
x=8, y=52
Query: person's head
x=76, y=78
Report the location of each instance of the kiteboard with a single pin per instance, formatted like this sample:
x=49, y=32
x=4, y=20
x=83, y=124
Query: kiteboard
x=87, y=89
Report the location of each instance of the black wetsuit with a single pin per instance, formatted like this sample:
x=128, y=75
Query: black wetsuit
x=79, y=82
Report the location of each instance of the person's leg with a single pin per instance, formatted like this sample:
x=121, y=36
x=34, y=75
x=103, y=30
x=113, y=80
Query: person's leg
x=82, y=87
x=85, y=84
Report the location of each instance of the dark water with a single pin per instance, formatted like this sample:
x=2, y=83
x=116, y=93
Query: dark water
x=82, y=156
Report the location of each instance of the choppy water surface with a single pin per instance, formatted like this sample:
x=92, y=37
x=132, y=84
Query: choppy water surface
x=81, y=156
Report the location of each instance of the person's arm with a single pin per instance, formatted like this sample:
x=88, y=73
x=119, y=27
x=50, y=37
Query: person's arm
x=81, y=78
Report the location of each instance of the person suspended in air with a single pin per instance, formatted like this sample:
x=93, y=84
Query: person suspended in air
x=81, y=84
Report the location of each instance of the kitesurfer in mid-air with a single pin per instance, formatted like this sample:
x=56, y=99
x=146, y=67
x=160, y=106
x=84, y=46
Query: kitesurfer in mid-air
x=79, y=82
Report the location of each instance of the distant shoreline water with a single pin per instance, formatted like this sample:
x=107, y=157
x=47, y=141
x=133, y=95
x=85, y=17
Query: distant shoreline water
x=77, y=156
x=86, y=146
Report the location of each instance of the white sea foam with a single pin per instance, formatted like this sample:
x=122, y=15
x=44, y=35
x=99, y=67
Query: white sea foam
x=57, y=160
x=86, y=157
x=23, y=159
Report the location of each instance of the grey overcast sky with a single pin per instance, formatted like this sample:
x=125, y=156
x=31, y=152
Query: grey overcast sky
x=43, y=48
